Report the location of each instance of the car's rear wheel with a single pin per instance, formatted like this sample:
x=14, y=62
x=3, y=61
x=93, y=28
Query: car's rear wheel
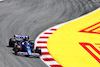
x=11, y=42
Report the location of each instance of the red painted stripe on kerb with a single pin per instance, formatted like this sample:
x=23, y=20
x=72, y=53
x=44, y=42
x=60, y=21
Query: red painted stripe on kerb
x=45, y=53
x=43, y=37
x=41, y=41
x=48, y=59
x=47, y=33
x=56, y=66
x=53, y=29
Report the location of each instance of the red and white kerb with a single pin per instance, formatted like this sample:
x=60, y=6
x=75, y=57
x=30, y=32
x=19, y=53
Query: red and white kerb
x=41, y=41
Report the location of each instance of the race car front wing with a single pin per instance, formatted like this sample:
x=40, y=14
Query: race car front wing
x=26, y=53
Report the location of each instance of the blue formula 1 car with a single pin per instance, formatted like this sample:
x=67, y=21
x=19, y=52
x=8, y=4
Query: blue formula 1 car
x=23, y=46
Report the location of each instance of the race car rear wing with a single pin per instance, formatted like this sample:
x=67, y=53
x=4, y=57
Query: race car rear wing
x=20, y=36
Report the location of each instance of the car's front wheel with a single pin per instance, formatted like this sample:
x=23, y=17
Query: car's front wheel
x=38, y=50
x=16, y=50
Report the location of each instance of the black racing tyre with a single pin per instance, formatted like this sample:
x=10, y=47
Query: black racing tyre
x=11, y=42
x=16, y=50
x=38, y=50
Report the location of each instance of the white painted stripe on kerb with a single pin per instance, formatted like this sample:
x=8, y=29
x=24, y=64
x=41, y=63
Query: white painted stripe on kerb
x=50, y=31
x=46, y=56
x=44, y=50
x=41, y=44
x=42, y=39
x=51, y=62
x=46, y=35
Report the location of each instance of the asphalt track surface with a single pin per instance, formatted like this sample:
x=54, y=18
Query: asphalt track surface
x=31, y=17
